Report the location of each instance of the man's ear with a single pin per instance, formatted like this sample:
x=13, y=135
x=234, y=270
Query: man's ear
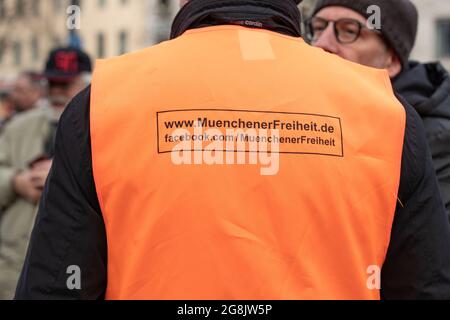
x=183, y=2
x=394, y=65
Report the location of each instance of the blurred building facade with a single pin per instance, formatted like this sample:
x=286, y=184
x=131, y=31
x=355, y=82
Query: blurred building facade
x=30, y=28
x=27, y=30
x=433, y=39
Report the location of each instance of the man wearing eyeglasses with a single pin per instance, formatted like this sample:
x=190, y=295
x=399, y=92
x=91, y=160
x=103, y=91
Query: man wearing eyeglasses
x=345, y=28
x=342, y=27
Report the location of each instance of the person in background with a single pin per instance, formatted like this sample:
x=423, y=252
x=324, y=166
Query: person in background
x=26, y=152
x=6, y=107
x=29, y=91
x=341, y=27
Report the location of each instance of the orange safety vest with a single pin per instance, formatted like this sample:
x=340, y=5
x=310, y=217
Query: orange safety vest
x=184, y=222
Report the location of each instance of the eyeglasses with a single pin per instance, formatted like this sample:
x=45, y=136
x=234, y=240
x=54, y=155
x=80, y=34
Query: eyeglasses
x=346, y=30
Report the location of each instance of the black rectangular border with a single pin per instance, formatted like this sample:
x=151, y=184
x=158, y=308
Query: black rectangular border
x=254, y=111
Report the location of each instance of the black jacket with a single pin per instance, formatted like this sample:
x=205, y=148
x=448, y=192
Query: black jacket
x=70, y=231
x=427, y=88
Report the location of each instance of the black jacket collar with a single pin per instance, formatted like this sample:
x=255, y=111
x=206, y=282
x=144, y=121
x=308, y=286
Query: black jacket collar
x=427, y=88
x=275, y=15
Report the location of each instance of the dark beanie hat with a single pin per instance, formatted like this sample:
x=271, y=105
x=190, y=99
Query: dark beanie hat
x=399, y=20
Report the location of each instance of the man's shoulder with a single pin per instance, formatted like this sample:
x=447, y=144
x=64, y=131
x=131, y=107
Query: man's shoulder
x=150, y=55
x=25, y=120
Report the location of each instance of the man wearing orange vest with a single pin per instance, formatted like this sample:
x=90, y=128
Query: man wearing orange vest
x=237, y=162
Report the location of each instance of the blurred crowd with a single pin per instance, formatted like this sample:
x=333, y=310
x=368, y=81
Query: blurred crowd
x=30, y=110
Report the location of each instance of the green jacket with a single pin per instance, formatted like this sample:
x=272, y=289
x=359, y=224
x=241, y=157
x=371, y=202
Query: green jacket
x=21, y=141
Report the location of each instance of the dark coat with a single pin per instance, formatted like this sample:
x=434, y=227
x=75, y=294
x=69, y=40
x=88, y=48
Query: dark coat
x=427, y=88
